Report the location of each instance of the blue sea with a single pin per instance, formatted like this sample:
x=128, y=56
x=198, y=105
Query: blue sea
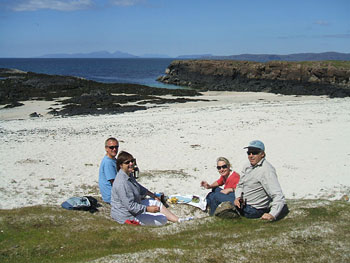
x=140, y=71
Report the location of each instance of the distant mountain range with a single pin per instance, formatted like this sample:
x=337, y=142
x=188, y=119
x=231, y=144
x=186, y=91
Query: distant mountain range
x=246, y=57
x=98, y=54
x=118, y=54
x=195, y=56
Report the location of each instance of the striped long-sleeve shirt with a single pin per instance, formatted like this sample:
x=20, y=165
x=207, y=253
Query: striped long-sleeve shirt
x=261, y=188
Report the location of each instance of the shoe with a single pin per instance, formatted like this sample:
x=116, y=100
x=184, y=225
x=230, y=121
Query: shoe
x=183, y=219
x=226, y=210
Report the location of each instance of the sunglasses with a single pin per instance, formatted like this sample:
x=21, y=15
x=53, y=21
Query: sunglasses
x=113, y=147
x=253, y=152
x=223, y=167
x=130, y=161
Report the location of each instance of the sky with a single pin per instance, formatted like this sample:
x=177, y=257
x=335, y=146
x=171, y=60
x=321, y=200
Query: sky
x=30, y=28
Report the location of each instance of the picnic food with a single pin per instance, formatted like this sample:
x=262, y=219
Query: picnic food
x=195, y=199
x=173, y=200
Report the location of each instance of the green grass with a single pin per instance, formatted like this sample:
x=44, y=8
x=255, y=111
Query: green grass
x=339, y=64
x=314, y=231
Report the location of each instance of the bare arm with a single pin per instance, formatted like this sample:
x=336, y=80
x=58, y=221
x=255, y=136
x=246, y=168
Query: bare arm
x=227, y=191
x=209, y=186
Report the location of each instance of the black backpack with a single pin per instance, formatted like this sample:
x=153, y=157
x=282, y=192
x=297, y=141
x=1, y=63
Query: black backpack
x=85, y=203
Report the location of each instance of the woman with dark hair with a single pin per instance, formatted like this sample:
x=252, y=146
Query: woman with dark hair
x=227, y=178
x=127, y=203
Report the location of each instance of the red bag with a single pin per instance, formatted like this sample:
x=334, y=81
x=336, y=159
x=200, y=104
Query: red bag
x=132, y=222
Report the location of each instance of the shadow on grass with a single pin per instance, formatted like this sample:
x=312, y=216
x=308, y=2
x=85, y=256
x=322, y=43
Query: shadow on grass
x=313, y=231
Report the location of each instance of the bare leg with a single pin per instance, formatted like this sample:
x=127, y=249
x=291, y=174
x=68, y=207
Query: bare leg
x=169, y=215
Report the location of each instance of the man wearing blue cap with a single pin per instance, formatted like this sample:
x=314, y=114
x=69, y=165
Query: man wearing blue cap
x=259, y=186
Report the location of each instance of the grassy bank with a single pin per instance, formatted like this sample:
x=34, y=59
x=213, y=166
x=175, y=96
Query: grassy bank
x=314, y=231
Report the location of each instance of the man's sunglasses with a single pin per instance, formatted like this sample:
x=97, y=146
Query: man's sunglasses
x=223, y=167
x=130, y=161
x=113, y=147
x=253, y=152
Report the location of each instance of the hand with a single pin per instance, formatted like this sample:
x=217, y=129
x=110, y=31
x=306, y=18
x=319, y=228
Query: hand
x=268, y=217
x=237, y=203
x=153, y=209
x=205, y=184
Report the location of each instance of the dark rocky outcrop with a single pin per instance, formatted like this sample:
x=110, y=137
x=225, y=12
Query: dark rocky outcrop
x=80, y=96
x=290, y=57
x=13, y=105
x=330, y=78
x=35, y=115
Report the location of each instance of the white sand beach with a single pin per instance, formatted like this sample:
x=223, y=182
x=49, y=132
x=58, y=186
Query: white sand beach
x=49, y=159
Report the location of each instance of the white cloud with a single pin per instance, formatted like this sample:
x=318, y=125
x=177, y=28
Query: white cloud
x=322, y=23
x=60, y=5
x=346, y=35
x=337, y=36
x=125, y=2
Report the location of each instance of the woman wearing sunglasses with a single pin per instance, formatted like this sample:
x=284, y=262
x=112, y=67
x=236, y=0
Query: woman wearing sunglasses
x=227, y=178
x=127, y=203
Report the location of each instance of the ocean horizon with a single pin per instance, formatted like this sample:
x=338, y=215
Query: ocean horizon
x=142, y=71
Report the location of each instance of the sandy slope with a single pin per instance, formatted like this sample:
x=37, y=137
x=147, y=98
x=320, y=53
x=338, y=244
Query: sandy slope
x=47, y=160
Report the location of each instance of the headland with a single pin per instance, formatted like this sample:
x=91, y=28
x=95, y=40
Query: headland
x=331, y=78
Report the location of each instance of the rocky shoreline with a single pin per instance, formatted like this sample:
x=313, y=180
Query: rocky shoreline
x=331, y=78
x=77, y=96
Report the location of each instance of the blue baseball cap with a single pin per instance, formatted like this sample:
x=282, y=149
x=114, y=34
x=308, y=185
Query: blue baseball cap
x=256, y=144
